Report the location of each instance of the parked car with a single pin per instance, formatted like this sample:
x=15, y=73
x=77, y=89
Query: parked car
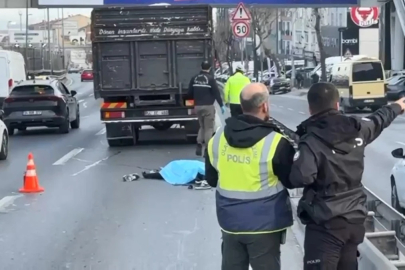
x=45, y=103
x=277, y=85
x=396, y=87
x=74, y=70
x=398, y=181
x=87, y=75
x=3, y=138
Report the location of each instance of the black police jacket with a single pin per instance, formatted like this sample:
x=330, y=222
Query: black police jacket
x=329, y=164
x=204, y=90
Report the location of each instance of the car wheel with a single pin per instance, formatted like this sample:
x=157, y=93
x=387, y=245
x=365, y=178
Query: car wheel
x=64, y=128
x=10, y=131
x=4, y=147
x=82, y=80
x=401, y=95
x=76, y=123
x=394, y=196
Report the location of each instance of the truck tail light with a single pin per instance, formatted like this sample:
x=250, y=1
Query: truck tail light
x=10, y=83
x=190, y=102
x=109, y=115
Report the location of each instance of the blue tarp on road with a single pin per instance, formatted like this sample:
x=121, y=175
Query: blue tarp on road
x=182, y=172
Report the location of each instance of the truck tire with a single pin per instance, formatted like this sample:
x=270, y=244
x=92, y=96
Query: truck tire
x=162, y=126
x=192, y=128
x=120, y=142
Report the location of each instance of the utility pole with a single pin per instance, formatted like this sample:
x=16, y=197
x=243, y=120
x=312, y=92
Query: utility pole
x=26, y=30
x=49, y=41
x=63, y=40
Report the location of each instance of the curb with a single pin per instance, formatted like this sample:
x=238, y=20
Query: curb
x=70, y=82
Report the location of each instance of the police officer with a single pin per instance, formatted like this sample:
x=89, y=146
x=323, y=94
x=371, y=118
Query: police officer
x=232, y=90
x=329, y=165
x=248, y=161
x=204, y=90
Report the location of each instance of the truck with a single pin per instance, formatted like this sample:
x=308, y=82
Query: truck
x=143, y=60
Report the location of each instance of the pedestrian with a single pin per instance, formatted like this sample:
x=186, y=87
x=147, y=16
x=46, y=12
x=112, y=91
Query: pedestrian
x=232, y=90
x=204, y=90
x=315, y=78
x=300, y=79
x=248, y=161
x=329, y=165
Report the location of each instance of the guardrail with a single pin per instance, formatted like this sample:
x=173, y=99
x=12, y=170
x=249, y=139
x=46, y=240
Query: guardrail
x=384, y=242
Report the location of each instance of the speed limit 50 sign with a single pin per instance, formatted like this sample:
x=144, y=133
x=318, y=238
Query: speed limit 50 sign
x=241, y=29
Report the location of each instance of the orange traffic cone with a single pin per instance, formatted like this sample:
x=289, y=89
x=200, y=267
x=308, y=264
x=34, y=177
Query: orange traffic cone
x=31, y=184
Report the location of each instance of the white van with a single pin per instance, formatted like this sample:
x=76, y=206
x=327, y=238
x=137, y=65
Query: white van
x=12, y=72
x=330, y=61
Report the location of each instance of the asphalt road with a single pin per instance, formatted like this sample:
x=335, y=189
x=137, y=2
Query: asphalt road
x=292, y=109
x=88, y=218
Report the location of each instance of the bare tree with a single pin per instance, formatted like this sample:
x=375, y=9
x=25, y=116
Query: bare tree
x=223, y=44
x=317, y=19
x=264, y=23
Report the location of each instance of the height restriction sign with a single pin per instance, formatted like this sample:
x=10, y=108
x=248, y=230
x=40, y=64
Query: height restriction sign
x=241, y=29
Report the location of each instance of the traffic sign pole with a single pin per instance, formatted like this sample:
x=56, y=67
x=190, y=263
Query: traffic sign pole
x=241, y=25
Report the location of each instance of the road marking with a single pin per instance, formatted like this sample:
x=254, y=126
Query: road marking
x=68, y=156
x=91, y=95
x=281, y=106
x=401, y=143
x=289, y=109
x=85, y=105
x=301, y=112
x=7, y=201
x=101, y=132
x=80, y=101
x=90, y=166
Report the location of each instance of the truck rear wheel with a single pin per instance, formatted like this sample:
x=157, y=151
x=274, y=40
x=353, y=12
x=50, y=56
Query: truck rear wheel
x=120, y=142
x=162, y=126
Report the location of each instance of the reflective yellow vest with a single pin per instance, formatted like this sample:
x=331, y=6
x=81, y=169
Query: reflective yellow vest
x=250, y=199
x=233, y=87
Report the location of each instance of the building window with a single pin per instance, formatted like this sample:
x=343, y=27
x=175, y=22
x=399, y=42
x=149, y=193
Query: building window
x=340, y=19
x=332, y=18
x=306, y=37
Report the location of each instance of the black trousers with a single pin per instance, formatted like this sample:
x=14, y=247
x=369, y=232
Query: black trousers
x=261, y=251
x=236, y=110
x=333, y=246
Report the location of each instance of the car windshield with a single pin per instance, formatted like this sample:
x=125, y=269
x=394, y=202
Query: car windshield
x=88, y=71
x=32, y=90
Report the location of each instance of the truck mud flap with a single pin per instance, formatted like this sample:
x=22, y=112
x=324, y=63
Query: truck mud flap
x=119, y=131
x=192, y=128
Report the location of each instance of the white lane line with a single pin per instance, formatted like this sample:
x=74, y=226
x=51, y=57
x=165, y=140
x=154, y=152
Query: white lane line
x=68, y=156
x=289, y=109
x=91, y=95
x=301, y=112
x=85, y=105
x=281, y=106
x=101, y=132
x=90, y=166
x=401, y=143
x=7, y=201
x=82, y=100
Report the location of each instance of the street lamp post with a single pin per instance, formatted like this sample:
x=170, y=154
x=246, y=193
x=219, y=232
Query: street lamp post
x=26, y=28
x=20, y=14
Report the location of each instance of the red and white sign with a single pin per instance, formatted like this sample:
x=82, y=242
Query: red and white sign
x=364, y=16
x=241, y=29
x=241, y=13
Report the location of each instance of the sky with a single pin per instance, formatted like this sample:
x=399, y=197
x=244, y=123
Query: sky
x=37, y=15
